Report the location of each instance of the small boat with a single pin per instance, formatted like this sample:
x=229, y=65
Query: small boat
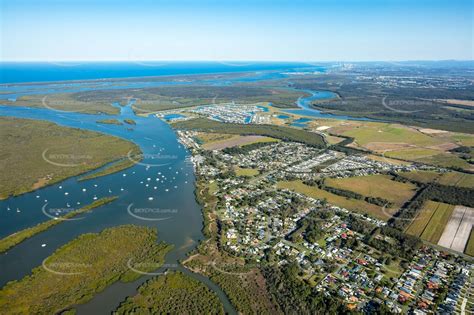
x=43, y=245
x=148, y=179
x=155, y=187
x=147, y=185
x=124, y=175
x=110, y=191
x=150, y=198
x=121, y=189
x=60, y=187
x=37, y=196
x=95, y=198
x=18, y=210
x=95, y=185
x=68, y=205
x=83, y=189
x=8, y=209
x=167, y=189
x=66, y=193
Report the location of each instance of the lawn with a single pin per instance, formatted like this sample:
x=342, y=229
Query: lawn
x=349, y=204
x=376, y=186
x=430, y=222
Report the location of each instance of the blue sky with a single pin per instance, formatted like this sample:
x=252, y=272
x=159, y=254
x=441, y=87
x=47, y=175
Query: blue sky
x=325, y=30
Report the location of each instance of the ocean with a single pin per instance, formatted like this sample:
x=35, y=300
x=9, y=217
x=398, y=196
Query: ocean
x=20, y=72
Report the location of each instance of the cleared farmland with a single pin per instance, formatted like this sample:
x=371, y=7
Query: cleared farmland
x=469, y=250
x=456, y=179
x=347, y=203
x=457, y=231
x=381, y=186
x=430, y=221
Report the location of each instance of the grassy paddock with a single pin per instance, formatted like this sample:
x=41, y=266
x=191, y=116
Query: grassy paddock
x=349, y=204
x=470, y=245
x=279, y=132
x=376, y=186
x=430, y=222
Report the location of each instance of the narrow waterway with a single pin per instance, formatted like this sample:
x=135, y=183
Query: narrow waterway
x=163, y=180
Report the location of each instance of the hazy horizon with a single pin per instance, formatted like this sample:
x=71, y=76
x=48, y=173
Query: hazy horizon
x=208, y=30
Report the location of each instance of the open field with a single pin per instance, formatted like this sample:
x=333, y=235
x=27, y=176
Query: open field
x=469, y=250
x=349, y=204
x=65, y=102
x=456, y=179
x=387, y=160
x=380, y=186
x=406, y=143
x=279, y=132
x=18, y=237
x=50, y=153
x=91, y=262
x=246, y=171
x=222, y=141
x=457, y=231
x=421, y=176
x=430, y=221
x=174, y=293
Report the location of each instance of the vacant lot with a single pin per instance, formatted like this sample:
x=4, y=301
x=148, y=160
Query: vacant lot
x=430, y=221
x=376, y=186
x=349, y=204
x=37, y=153
x=457, y=231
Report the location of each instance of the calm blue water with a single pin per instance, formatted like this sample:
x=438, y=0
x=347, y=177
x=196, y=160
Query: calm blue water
x=14, y=72
x=283, y=116
x=170, y=117
x=307, y=110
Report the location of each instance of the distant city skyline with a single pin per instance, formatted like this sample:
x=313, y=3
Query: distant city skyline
x=208, y=30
